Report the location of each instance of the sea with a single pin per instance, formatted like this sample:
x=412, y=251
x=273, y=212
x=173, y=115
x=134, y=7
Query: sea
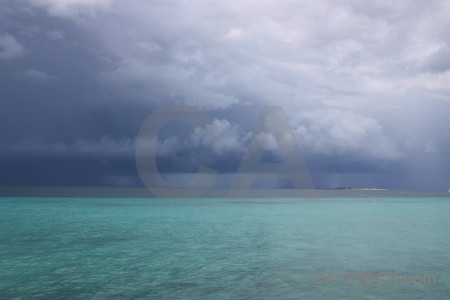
x=327, y=244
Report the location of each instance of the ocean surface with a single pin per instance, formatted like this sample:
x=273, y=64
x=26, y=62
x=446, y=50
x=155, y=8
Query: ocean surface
x=341, y=245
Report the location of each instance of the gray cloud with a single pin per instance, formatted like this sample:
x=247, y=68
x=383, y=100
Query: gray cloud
x=438, y=61
x=10, y=48
x=38, y=77
x=74, y=9
x=55, y=34
x=361, y=83
x=221, y=136
x=103, y=146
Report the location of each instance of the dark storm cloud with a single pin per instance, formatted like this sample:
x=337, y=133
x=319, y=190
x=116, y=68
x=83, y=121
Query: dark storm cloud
x=364, y=85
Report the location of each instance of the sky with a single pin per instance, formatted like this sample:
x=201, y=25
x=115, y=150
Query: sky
x=364, y=85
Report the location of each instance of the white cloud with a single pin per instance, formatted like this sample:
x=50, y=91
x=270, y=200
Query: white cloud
x=221, y=136
x=9, y=47
x=340, y=132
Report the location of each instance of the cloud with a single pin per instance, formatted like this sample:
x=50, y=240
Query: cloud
x=289, y=53
x=438, y=61
x=221, y=136
x=337, y=133
x=215, y=140
x=55, y=34
x=431, y=146
x=103, y=146
x=356, y=80
x=9, y=47
x=73, y=9
x=250, y=54
x=38, y=77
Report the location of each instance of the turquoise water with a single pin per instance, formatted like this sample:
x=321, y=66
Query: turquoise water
x=105, y=248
